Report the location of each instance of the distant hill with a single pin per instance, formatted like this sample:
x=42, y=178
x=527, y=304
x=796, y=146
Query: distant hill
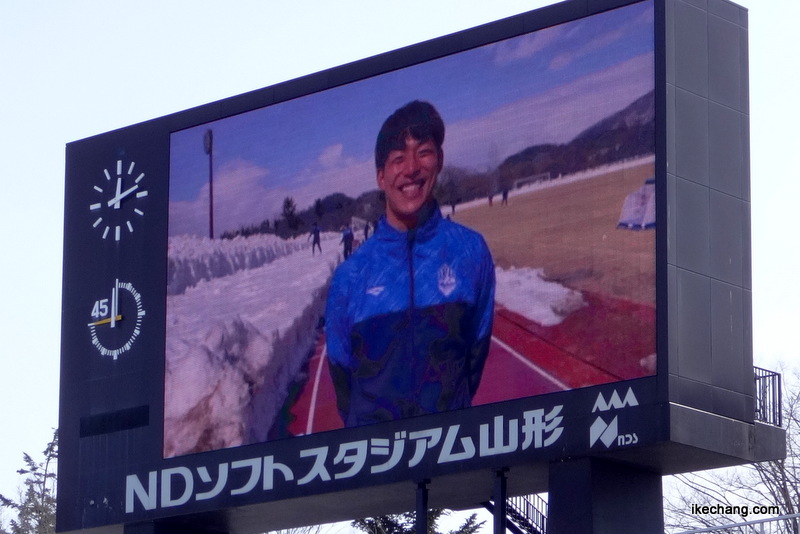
x=625, y=134
x=622, y=135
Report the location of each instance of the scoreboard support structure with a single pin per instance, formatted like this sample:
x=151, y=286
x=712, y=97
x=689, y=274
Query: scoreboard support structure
x=596, y=496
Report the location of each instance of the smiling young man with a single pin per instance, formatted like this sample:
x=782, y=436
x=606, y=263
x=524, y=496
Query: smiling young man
x=409, y=314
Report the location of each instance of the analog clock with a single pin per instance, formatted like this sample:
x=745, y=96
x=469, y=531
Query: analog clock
x=116, y=320
x=116, y=209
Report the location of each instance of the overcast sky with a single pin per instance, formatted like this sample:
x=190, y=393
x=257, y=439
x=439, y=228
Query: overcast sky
x=70, y=70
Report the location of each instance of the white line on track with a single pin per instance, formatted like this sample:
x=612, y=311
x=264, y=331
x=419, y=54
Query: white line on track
x=530, y=364
x=314, y=392
x=525, y=361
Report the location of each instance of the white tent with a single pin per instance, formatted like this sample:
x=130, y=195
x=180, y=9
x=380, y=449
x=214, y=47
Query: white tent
x=639, y=208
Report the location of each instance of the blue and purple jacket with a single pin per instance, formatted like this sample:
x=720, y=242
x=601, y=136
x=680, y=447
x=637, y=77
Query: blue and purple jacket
x=409, y=320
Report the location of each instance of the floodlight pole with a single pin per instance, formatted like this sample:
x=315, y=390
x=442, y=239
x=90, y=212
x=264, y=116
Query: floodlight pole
x=208, y=145
x=421, y=526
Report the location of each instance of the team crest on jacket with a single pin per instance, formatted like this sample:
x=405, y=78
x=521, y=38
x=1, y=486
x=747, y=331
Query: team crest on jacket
x=447, y=279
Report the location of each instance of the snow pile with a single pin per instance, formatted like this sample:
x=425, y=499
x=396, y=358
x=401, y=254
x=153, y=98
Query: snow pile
x=526, y=292
x=192, y=259
x=236, y=343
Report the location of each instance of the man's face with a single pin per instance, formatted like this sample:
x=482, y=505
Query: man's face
x=407, y=179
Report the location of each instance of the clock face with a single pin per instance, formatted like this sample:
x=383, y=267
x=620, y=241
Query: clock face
x=118, y=201
x=116, y=320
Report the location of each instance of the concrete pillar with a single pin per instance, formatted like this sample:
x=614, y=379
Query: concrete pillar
x=594, y=496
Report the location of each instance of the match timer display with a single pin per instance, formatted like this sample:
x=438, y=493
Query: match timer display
x=116, y=320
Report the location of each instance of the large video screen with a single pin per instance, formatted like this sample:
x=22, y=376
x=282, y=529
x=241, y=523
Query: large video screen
x=470, y=230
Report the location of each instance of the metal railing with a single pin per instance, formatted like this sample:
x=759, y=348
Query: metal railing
x=528, y=514
x=531, y=507
x=525, y=514
x=768, y=397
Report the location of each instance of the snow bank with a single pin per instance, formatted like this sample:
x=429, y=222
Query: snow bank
x=526, y=292
x=192, y=259
x=235, y=344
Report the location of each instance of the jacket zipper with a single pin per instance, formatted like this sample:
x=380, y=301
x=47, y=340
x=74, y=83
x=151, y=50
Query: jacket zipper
x=412, y=234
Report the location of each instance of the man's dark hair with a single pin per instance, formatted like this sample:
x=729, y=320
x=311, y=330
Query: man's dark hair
x=417, y=120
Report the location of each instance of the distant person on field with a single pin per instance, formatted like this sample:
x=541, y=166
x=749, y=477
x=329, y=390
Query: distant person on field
x=315, y=235
x=347, y=241
x=409, y=316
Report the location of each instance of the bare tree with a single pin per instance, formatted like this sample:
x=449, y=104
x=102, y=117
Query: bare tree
x=313, y=529
x=743, y=489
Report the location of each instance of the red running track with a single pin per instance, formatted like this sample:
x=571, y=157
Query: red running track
x=602, y=342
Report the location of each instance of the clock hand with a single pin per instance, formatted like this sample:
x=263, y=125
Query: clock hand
x=105, y=321
x=114, y=303
x=119, y=188
x=119, y=196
